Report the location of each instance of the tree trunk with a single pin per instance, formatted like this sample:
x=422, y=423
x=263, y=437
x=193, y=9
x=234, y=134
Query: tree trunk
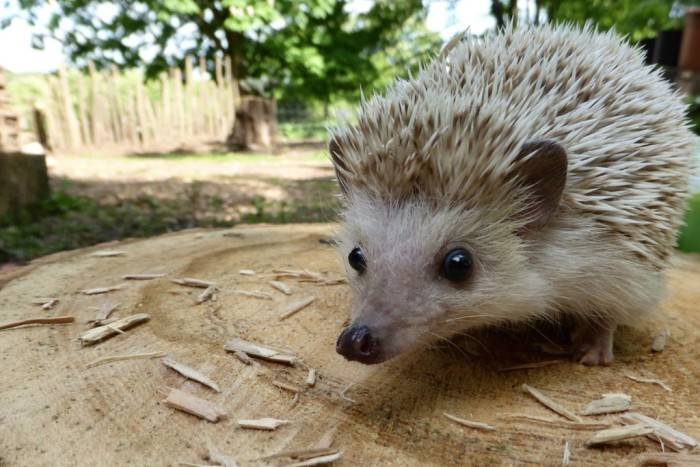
x=256, y=124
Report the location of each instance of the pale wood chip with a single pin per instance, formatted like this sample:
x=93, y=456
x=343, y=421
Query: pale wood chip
x=287, y=387
x=101, y=290
x=612, y=435
x=253, y=294
x=327, y=439
x=107, y=253
x=263, y=423
x=208, y=294
x=111, y=326
x=99, y=333
x=566, y=457
x=54, y=320
x=219, y=457
x=49, y=304
x=610, y=403
x=192, y=464
x=118, y=358
x=141, y=277
x=311, y=377
x=259, y=351
x=281, y=286
x=190, y=282
x=104, y=311
x=296, y=307
x=659, y=343
x=662, y=433
x=527, y=366
x=242, y=356
x=469, y=423
x=300, y=454
x=193, y=405
x=308, y=276
x=551, y=404
x=42, y=300
x=556, y=422
x=327, y=459
x=190, y=373
x=669, y=459
x=641, y=379
x=246, y=272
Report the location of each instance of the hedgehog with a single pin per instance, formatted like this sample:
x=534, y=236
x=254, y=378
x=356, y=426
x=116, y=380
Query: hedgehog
x=537, y=173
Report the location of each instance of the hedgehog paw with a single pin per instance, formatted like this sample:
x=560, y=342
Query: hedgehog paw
x=594, y=345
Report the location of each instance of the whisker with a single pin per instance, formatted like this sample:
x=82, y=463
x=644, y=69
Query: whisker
x=451, y=343
x=466, y=317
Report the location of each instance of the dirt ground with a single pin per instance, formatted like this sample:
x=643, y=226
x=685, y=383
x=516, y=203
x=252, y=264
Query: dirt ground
x=228, y=185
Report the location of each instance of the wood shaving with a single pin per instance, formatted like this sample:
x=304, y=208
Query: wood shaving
x=104, y=311
x=469, y=423
x=327, y=459
x=300, y=454
x=344, y=392
x=659, y=343
x=141, y=277
x=242, y=356
x=641, y=379
x=672, y=438
x=612, y=435
x=191, y=464
x=527, y=366
x=281, y=286
x=311, y=378
x=259, y=351
x=49, y=304
x=610, y=403
x=551, y=404
x=99, y=333
x=669, y=459
x=24, y=322
x=219, y=457
x=119, y=358
x=566, y=457
x=208, y=294
x=107, y=253
x=327, y=439
x=296, y=307
x=196, y=283
x=101, y=290
x=246, y=272
x=556, y=422
x=263, y=423
x=260, y=295
x=193, y=405
x=233, y=234
x=190, y=373
x=286, y=386
x=41, y=300
x=307, y=276
x=111, y=326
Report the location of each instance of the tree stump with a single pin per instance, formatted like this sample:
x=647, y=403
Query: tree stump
x=23, y=180
x=256, y=124
x=56, y=411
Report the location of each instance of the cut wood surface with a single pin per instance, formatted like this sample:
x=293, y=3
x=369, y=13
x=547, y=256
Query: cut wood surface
x=55, y=412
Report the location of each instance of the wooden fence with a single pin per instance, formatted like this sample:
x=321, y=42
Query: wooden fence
x=110, y=110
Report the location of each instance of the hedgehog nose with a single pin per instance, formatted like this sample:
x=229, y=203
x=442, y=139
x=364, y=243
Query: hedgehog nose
x=357, y=343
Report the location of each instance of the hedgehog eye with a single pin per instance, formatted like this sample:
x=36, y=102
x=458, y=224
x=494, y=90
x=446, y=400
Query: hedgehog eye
x=457, y=265
x=357, y=260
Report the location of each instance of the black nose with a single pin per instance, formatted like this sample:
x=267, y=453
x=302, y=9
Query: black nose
x=358, y=343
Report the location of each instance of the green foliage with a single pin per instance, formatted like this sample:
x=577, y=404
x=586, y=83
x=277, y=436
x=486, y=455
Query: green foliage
x=313, y=49
x=689, y=239
x=636, y=18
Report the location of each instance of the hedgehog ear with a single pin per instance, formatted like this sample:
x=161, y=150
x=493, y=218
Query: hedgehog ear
x=541, y=167
x=337, y=157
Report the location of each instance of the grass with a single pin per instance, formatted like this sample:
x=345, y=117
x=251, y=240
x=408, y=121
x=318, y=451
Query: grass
x=689, y=240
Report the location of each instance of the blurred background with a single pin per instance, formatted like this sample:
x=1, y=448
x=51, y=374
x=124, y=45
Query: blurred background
x=134, y=118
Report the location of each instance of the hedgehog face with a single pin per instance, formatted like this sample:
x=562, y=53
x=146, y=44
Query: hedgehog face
x=422, y=270
x=419, y=274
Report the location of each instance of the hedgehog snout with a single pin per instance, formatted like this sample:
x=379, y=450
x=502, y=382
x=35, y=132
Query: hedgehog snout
x=359, y=343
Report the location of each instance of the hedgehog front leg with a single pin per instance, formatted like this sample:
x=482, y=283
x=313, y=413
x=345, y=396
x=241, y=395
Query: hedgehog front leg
x=593, y=343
